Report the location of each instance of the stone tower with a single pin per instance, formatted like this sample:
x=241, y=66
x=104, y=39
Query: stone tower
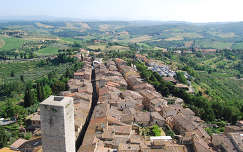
x=57, y=124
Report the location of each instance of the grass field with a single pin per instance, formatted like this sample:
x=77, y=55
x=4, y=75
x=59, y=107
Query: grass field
x=39, y=38
x=85, y=38
x=98, y=46
x=118, y=47
x=190, y=35
x=2, y=43
x=237, y=46
x=69, y=40
x=175, y=38
x=48, y=51
x=214, y=44
x=109, y=48
x=124, y=37
x=181, y=36
x=141, y=39
x=223, y=35
x=29, y=69
x=210, y=61
x=11, y=43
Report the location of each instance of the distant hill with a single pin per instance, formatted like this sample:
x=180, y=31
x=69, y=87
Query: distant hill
x=36, y=18
x=154, y=33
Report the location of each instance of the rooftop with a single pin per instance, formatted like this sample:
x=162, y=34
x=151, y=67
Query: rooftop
x=156, y=115
x=7, y=150
x=18, y=143
x=59, y=101
x=34, y=116
x=142, y=116
x=128, y=147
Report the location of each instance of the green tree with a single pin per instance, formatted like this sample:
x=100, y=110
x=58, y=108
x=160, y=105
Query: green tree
x=156, y=130
x=12, y=74
x=22, y=78
x=218, y=109
x=29, y=97
x=231, y=114
x=180, y=77
x=208, y=114
x=3, y=137
x=31, y=55
x=9, y=109
x=47, y=91
x=76, y=44
x=58, y=86
x=40, y=92
x=21, y=55
x=69, y=73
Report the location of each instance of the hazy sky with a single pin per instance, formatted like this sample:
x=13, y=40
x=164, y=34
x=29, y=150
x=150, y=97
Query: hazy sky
x=165, y=10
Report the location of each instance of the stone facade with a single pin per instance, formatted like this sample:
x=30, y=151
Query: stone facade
x=57, y=124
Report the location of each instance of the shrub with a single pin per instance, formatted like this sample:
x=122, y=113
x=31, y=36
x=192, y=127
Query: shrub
x=156, y=130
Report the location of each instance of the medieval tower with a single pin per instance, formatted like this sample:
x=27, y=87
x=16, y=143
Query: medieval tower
x=57, y=124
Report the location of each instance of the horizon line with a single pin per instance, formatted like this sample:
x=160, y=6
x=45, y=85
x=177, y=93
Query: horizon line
x=54, y=18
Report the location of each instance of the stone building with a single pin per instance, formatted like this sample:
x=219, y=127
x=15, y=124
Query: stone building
x=57, y=124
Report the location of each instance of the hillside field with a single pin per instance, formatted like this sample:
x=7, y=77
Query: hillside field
x=47, y=51
x=8, y=43
x=29, y=69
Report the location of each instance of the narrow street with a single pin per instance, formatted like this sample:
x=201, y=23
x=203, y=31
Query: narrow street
x=94, y=102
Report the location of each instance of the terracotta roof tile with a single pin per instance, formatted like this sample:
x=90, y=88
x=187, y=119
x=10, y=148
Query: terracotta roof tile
x=18, y=143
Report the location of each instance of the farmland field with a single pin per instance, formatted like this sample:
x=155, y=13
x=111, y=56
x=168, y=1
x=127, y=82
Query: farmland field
x=141, y=39
x=175, y=38
x=222, y=86
x=2, y=43
x=29, y=69
x=223, y=35
x=118, y=47
x=190, y=35
x=237, y=46
x=12, y=43
x=48, y=51
x=214, y=44
x=100, y=46
x=69, y=40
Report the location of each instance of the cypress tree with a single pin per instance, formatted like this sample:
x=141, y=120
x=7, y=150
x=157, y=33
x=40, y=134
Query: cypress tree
x=39, y=93
x=42, y=92
x=3, y=137
x=27, y=99
x=22, y=78
x=29, y=96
